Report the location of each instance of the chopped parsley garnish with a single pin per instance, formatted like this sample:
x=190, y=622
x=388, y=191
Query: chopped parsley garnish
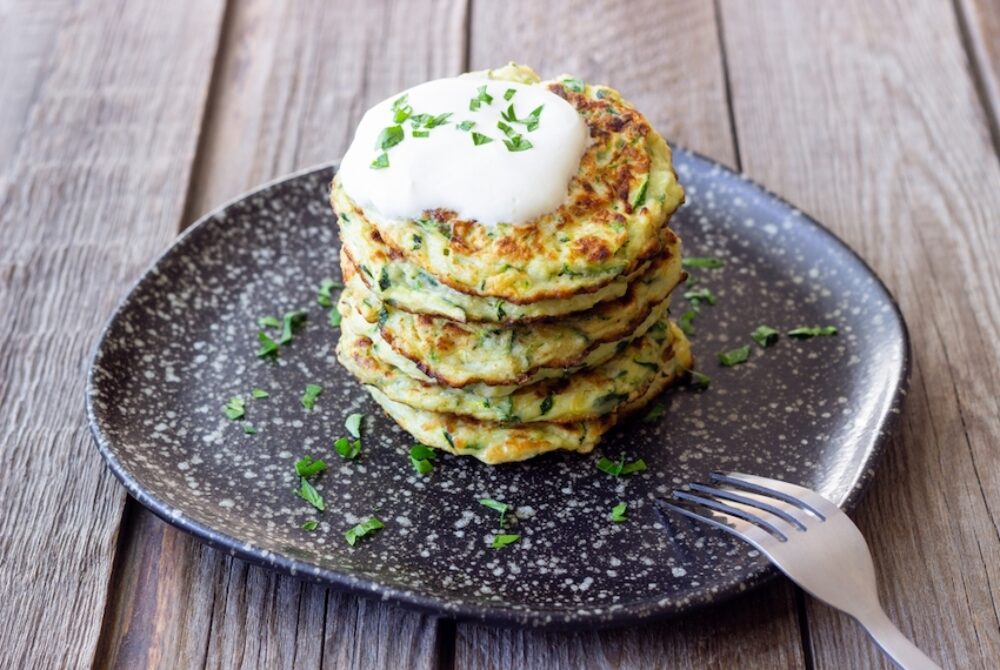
x=421, y=457
x=686, y=322
x=530, y=121
x=765, y=336
x=353, y=424
x=258, y=394
x=269, y=322
x=620, y=467
x=381, y=162
x=323, y=294
x=707, y=262
x=618, y=512
x=335, y=317
x=346, y=448
x=308, y=492
x=235, y=408
x=481, y=97
x=654, y=414
x=310, y=525
x=546, y=405
x=699, y=380
x=517, y=143
x=267, y=345
x=308, y=399
x=509, y=93
x=735, y=357
x=307, y=467
x=401, y=110
x=805, y=333
x=496, y=506
x=290, y=322
x=699, y=295
x=479, y=138
x=421, y=133
x=439, y=120
x=466, y=125
x=362, y=529
x=249, y=429
x=389, y=137
x=574, y=85
x=502, y=540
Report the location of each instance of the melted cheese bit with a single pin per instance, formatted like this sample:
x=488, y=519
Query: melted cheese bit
x=510, y=176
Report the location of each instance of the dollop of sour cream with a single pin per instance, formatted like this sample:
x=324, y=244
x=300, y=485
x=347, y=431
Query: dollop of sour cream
x=476, y=161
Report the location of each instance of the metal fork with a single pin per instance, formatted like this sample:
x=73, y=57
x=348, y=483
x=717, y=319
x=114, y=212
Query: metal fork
x=810, y=540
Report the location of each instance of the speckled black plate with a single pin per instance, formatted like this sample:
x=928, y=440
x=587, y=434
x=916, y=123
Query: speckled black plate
x=815, y=412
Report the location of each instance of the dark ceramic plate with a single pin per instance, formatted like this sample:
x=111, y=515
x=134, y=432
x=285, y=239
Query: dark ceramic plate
x=815, y=412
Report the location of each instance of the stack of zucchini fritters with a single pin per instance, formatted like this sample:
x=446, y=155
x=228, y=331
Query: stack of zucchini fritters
x=503, y=342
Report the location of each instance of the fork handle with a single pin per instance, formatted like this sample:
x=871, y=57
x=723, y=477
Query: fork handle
x=896, y=645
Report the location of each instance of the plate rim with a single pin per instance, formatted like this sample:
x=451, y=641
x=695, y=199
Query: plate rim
x=641, y=611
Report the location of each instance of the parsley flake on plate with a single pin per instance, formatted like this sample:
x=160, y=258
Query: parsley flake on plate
x=700, y=295
x=308, y=399
x=268, y=346
x=308, y=492
x=765, y=336
x=362, y=529
x=259, y=393
x=324, y=294
x=735, y=356
x=654, y=413
x=290, y=323
x=347, y=448
x=421, y=457
x=235, y=408
x=496, y=506
x=618, y=512
x=805, y=333
x=353, y=424
x=699, y=380
x=706, y=262
x=269, y=322
x=307, y=467
x=310, y=525
x=502, y=540
x=620, y=467
x=335, y=317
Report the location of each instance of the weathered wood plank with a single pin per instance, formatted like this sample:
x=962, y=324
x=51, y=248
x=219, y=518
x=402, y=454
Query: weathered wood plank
x=292, y=82
x=104, y=130
x=980, y=20
x=664, y=57
x=866, y=115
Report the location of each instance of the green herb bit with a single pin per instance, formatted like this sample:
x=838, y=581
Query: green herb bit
x=706, y=262
x=421, y=457
x=637, y=465
x=324, y=294
x=807, y=332
x=654, y=414
x=249, y=429
x=466, y=125
x=701, y=294
x=308, y=399
x=686, y=322
x=381, y=162
x=735, y=357
x=235, y=408
x=267, y=345
x=353, y=424
x=640, y=197
x=335, y=317
x=259, y=394
x=389, y=137
x=546, y=405
x=481, y=97
x=496, y=506
x=479, y=138
x=509, y=93
x=421, y=133
x=310, y=525
x=401, y=110
x=502, y=540
x=518, y=143
x=438, y=120
x=618, y=512
x=765, y=336
x=307, y=467
x=574, y=85
x=362, y=529
x=698, y=380
x=269, y=322
x=308, y=492
x=290, y=322
x=346, y=448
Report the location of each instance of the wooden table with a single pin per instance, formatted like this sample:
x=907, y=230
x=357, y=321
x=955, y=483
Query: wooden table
x=120, y=123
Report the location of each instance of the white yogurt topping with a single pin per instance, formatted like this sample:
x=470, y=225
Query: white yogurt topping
x=488, y=182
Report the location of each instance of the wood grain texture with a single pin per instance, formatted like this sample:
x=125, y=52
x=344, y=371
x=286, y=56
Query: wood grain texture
x=865, y=115
x=980, y=23
x=292, y=82
x=665, y=58
x=93, y=187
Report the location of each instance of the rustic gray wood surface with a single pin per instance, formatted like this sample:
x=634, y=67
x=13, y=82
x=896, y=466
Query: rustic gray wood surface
x=120, y=123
